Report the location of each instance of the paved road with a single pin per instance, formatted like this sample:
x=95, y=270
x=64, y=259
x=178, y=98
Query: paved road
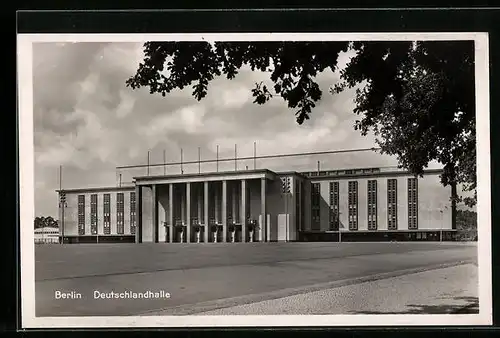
x=210, y=276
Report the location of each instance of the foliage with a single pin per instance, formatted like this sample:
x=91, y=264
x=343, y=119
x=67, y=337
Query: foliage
x=466, y=219
x=466, y=224
x=417, y=97
x=42, y=222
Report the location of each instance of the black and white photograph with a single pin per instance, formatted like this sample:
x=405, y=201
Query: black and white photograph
x=254, y=180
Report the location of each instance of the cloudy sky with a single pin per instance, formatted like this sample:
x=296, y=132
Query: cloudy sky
x=88, y=121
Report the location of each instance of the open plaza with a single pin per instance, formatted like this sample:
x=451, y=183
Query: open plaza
x=256, y=278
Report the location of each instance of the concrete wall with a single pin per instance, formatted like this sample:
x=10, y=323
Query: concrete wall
x=71, y=215
x=382, y=204
x=343, y=205
x=363, y=204
x=113, y=217
x=283, y=207
x=88, y=228
x=324, y=216
x=126, y=212
x=71, y=212
x=432, y=199
x=402, y=203
x=147, y=214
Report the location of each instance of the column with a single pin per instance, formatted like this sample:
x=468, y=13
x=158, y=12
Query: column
x=138, y=214
x=205, y=214
x=217, y=203
x=188, y=212
x=243, y=210
x=154, y=214
x=233, y=201
x=263, y=210
x=224, y=211
x=171, y=212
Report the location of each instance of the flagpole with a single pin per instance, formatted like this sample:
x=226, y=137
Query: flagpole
x=148, y=165
x=164, y=163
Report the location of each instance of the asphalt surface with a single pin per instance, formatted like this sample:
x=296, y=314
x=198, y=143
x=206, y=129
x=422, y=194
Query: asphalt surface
x=207, y=277
x=451, y=290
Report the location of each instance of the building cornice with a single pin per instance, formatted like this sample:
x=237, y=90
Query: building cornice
x=394, y=173
x=98, y=189
x=212, y=173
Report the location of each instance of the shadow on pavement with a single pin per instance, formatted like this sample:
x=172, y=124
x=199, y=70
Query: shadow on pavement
x=471, y=306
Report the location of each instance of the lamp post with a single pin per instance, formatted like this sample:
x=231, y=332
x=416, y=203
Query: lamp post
x=62, y=204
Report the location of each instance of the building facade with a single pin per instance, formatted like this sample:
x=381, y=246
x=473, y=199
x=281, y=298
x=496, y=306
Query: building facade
x=46, y=235
x=370, y=204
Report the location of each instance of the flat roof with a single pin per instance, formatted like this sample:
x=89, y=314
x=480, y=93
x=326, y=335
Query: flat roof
x=312, y=175
x=210, y=173
x=366, y=172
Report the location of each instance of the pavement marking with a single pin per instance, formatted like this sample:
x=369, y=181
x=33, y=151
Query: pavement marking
x=190, y=309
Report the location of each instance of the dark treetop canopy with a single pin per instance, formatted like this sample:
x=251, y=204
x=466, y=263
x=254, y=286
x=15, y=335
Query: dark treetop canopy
x=417, y=97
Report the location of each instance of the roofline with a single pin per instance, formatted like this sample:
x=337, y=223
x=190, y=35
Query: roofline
x=98, y=189
x=213, y=173
x=375, y=174
x=253, y=171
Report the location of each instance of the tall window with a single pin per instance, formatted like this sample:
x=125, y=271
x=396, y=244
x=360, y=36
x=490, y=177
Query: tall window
x=412, y=203
x=81, y=214
x=353, y=205
x=334, y=206
x=132, y=213
x=297, y=205
x=106, y=214
x=392, y=205
x=315, y=206
x=119, y=213
x=302, y=205
x=372, y=205
x=93, y=214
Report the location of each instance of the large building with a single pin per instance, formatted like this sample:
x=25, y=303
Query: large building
x=47, y=235
x=261, y=205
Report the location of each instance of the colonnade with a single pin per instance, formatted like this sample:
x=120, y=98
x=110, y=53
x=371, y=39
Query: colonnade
x=212, y=210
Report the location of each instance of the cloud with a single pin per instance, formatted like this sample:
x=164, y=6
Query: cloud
x=89, y=122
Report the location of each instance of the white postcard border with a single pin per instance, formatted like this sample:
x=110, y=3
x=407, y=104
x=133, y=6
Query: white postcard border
x=26, y=193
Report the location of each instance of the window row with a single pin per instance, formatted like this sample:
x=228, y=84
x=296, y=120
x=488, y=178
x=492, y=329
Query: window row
x=372, y=205
x=106, y=213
